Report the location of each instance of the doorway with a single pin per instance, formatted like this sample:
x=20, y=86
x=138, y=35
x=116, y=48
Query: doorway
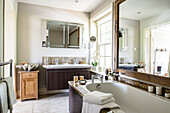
x=157, y=50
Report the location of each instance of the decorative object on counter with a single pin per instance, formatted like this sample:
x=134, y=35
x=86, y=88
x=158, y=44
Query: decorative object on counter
x=106, y=76
x=109, y=71
x=81, y=77
x=82, y=82
x=115, y=75
x=140, y=64
x=28, y=66
x=75, y=78
x=106, y=71
x=158, y=90
x=167, y=95
x=150, y=89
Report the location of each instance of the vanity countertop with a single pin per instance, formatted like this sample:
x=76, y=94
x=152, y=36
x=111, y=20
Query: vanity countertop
x=67, y=66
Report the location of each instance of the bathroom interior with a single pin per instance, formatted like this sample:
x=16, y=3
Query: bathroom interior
x=84, y=56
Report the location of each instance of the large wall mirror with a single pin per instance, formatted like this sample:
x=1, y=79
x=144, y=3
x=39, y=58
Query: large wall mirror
x=146, y=26
x=64, y=35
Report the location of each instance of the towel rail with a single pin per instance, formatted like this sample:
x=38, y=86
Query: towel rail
x=6, y=63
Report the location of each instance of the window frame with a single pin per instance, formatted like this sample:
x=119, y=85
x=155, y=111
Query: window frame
x=99, y=44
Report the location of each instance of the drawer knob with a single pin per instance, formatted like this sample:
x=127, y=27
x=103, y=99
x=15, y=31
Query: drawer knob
x=29, y=75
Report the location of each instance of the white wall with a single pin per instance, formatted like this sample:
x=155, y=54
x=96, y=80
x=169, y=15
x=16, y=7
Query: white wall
x=10, y=34
x=133, y=39
x=150, y=22
x=30, y=35
x=1, y=35
x=101, y=9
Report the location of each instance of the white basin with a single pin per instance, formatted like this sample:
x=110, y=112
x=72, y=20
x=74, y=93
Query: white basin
x=66, y=66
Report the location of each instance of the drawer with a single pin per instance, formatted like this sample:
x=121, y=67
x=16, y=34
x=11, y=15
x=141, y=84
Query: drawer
x=29, y=75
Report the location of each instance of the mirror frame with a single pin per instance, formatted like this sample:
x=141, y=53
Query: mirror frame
x=164, y=81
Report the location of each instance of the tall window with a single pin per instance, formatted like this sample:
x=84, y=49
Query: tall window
x=105, y=42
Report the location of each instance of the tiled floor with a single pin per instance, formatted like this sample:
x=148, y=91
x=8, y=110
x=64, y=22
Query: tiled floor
x=46, y=104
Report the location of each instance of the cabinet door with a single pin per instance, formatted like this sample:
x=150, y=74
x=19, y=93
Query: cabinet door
x=29, y=88
x=58, y=78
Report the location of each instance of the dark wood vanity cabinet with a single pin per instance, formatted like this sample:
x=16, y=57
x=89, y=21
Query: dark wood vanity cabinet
x=58, y=78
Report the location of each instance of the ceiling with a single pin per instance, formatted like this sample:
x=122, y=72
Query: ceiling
x=82, y=5
x=128, y=9
x=148, y=8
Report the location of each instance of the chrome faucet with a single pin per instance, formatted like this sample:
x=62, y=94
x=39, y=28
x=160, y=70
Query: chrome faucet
x=94, y=77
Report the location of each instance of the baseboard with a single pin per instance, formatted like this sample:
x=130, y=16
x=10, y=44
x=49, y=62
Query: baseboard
x=43, y=91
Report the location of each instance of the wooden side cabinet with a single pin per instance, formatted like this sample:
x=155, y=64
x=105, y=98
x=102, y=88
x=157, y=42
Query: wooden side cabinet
x=28, y=85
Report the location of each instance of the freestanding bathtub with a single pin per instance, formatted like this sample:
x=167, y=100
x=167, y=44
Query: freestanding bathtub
x=133, y=100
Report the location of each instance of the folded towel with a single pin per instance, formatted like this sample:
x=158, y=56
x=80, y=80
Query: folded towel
x=94, y=108
x=3, y=98
x=10, y=90
x=97, y=97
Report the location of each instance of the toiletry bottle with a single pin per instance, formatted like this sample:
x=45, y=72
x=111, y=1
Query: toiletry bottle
x=56, y=61
x=106, y=76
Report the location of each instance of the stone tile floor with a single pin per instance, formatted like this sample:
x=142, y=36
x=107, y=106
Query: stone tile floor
x=57, y=103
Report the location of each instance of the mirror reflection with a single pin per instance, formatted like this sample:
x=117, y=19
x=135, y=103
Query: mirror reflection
x=64, y=35
x=146, y=31
x=56, y=34
x=75, y=35
x=123, y=37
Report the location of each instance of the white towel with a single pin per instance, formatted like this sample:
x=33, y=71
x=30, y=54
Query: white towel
x=94, y=108
x=95, y=101
x=117, y=110
x=97, y=97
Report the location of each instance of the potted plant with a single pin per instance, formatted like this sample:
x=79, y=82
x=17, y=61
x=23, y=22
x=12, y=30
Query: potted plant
x=96, y=58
